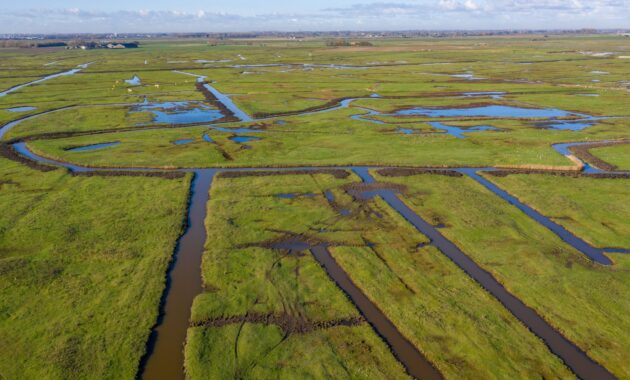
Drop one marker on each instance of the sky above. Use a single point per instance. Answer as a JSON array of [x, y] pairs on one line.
[[89, 16]]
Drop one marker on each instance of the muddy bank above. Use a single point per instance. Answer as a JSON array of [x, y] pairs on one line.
[[287, 323], [328, 105], [7, 151], [574, 174], [357, 189], [337, 173], [135, 173], [211, 99], [583, 153], [406, 172], [290, 241]]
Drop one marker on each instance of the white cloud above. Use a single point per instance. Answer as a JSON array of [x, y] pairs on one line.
[[379, 15]]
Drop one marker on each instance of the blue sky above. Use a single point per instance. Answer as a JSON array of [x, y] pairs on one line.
[[45, 16]]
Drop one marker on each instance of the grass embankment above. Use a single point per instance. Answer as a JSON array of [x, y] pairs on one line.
[[585, 301], [82, 269], [617, 155], [452, 320]]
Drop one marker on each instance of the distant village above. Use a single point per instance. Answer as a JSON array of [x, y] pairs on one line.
[[101, 45]]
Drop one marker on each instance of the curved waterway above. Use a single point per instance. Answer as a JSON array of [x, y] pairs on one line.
[[48, 77], [573, 357]]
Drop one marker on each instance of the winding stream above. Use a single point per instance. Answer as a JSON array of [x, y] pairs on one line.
[[48, 77], [164, 357]]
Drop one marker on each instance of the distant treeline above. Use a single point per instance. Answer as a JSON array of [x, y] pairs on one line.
[[345, 42], [30, 44], [72, 44]]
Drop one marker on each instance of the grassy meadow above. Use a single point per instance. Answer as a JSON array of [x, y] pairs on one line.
[[82, 268]]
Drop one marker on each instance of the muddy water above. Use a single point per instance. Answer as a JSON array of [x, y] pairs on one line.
[[415, 363], [165, 357], [593, 253], [572, 356]]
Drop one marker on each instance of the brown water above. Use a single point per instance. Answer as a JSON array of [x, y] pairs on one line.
[[165, 356], [415, 363], [576, 359]]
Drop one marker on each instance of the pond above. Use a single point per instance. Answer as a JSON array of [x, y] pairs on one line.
[[244, 139], [180, 112], [135, 81], [21, 109]]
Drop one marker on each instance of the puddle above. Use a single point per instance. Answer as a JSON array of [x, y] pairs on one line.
[[405, 131], [244, 139], [491, 94], [21, 109], [86, 148], [459, 131], [566, 125], [135, 81], [207, 138], [237, 130], [180, 112], [589, 95], [183, 141], [468, 76]]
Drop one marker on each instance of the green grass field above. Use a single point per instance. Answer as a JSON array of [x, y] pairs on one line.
[[569, 291], [83, 259], [82, 263]]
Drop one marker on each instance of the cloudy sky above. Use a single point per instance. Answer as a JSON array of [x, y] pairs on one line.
[[45, 16]]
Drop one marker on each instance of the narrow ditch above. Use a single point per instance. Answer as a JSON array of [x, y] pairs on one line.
[[164, 358], [576, 359], [591, 252], [414, 362]]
